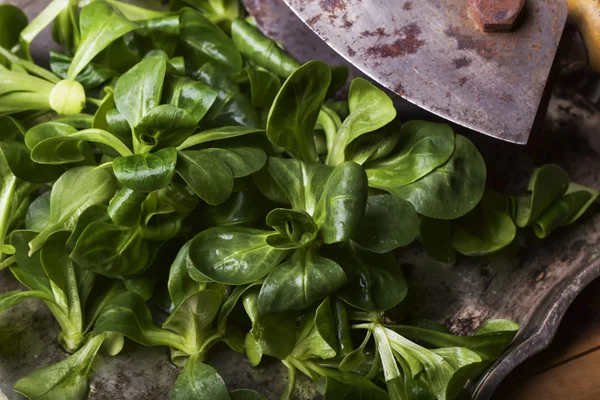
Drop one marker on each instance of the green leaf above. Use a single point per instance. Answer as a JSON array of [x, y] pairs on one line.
[[13, 21], [73, 192], [388, 223], [180, 284], [370, 109], [29, 270], [301, 182], [271, 334], [297, 283], [373, 146], [221, 133], [342, 203], [231, 302], [436, 238], [160, 220], [37, 213], [198, 380], [485, 229], [375, 281], [294, 113], [348, 385], [262, 50], [39, 23], [100, 25], [565, 211], [194, 97], [451, 190], [355, 358], [241, 208], [264, 86], [317, 334], [242, 161], [548, 183], [61, 152], [165, 126], [11, 299], [295, 229], [489, 341], [162, 32], [93, 75], [231, 107], [202, 42], [51, 150], [424, 147], [125, 208], [209, 177], [234, 255], [127, 314], [67, 379], [146, 172], [139, 90], [192, 319], [96, 212], [17, 157], [111, 250]]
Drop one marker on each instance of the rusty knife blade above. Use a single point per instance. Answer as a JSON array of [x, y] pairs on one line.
[[431, 53]]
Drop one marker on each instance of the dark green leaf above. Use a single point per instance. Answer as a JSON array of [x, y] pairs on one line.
[[294, 113], [165, 126], [342, 203], [241, 208], [451, 190], [231, 107], [221, 133], [295, 229], [194, 97], [96, 212], [127, 314], [91, 76], [305, 278], [262, 50], [73, 192], [317, 334], [29, 270], [375, 281], [234, 255], [126, 207], [485, 229], [139, 90], [209, 177], [18, 159], [547, 184], [180, 284], [264, 86], [13, 21], [271, 334], [202, 42], [388, 223], [111, 250], [148, 172], [242, 161], [67, 379], [38, 212], [163, 32], [197, 381], [436, 238], [160, 220]]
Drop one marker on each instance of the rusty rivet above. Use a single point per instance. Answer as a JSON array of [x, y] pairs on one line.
[[496, 15]]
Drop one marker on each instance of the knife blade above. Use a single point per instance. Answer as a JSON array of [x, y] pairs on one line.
[[433, 54]]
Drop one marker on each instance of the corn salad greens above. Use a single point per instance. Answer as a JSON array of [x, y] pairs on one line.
[[182, 152]]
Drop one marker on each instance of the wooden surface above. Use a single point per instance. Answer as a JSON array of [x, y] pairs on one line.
[[570, 368]]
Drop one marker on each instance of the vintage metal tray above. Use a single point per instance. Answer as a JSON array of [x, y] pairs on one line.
[[534, 286]]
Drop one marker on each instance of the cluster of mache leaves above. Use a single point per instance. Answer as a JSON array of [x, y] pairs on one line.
[[182, 158]]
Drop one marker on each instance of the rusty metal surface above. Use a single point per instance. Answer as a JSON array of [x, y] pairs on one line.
[[432, 54]]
